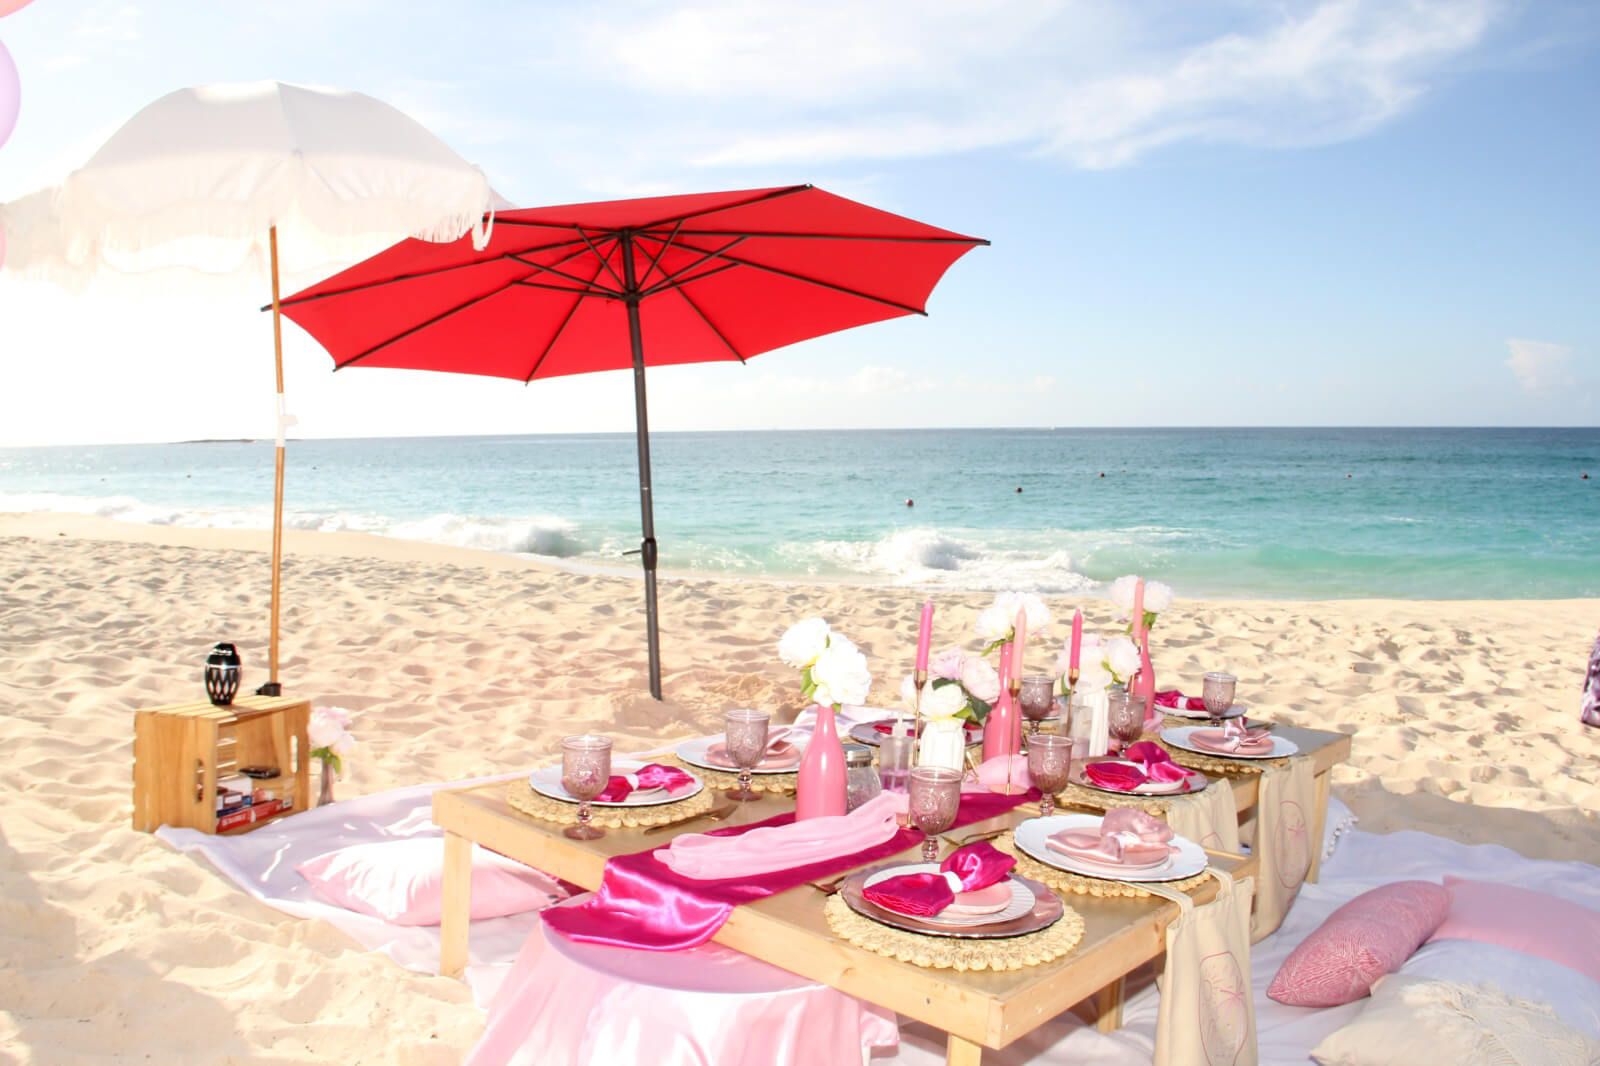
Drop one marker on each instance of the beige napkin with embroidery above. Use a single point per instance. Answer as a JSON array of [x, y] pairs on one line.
[[1286, 817], [1206, 1015], [1209, 818]]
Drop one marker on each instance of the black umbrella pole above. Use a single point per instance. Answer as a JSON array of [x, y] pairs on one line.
[[647, 516]]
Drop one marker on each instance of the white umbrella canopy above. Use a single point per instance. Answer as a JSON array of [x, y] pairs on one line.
[[209, 179]]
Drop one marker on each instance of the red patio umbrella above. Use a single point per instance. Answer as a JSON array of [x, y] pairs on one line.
[[626, 283]]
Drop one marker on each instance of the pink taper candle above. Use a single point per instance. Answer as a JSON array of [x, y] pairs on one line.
[[924, 637], [1138, 609], [1018, 641], [1077, 640]]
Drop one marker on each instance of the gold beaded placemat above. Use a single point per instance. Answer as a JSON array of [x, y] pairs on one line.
[[522, 797], [955, 953], [725, 780], [1094, 799], [1078, 884]]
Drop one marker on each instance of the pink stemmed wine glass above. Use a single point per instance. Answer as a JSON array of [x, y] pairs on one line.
[[585, 770], [1217, 692], [1049, 761], [1037, 698], [933, 800], [1125, 718], [745, 736]]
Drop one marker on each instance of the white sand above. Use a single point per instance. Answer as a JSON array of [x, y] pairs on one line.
[[113, 948]]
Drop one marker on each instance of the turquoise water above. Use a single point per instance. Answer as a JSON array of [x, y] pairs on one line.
[[1273, 513]]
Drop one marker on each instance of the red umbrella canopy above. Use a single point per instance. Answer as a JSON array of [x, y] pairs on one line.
[[715, 276]]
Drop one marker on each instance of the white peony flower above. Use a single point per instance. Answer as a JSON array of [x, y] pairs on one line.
[[840, 674], [803, 642], [1157, 597], [994, 623], [980, 679], [908, 693], [1122, 594], [1093, 676], [1121, 657], [1035, 611], [327, 726], [344, 745], [943, 701]]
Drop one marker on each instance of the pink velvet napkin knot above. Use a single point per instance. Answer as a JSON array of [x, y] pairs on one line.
[[1234, 738], [1126, 837], [1178, 701], [651, 776], [974, 867]]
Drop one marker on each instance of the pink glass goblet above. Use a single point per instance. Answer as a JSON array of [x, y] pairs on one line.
[[585, 770], [1216, 692], [745, 736], [1037, 697], [1125, 718], [933, 800], [1049, 761]]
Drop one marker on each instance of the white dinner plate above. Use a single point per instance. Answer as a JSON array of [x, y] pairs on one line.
[[1021, 898], [1031, 837], [1179, 738], [694, 751], [547, 782], [1237, 710]]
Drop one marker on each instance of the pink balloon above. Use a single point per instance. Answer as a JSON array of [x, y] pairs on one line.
[[8, 6], [10, 93]]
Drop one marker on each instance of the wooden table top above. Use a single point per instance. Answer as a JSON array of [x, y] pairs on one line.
[[789, 930]]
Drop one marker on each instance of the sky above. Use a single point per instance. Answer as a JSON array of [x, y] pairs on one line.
[[1289, 213]]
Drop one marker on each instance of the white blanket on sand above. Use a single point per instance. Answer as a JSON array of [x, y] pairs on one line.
[[262, 863]]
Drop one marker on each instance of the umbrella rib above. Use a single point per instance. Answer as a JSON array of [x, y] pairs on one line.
[[712, 326], [796, 276], [554, 337], [656, 224], [605, 259], [418, 328], [655, 260], [670, 279], [821, 236]]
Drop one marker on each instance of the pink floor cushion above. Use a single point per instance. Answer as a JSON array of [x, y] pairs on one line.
[[401, 881], [1521, 919], [1368, 937], [567, 1003]]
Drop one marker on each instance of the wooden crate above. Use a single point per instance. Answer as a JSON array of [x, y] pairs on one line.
[[179, 753]]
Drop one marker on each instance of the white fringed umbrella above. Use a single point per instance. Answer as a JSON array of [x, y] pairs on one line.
[[208, 179]]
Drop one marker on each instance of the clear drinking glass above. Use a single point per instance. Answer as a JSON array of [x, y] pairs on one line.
[[935, 797], [745, 735], [894, 761], [1037, 698], [1217, 692], [585, 769], [1125, 718], [1049, 761]]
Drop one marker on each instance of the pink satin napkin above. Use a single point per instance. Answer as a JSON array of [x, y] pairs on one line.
[[1178, 701], [1234, 738], [650, 776], [704, 857], [1150, 762], [966, 871], [1126, 837], [643, 903], [780, 753]]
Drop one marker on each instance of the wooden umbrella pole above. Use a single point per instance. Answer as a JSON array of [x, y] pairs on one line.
[[277, 487]]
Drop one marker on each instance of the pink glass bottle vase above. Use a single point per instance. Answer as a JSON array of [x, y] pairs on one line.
[[820, 790], [1002, 730], [1143, 684]]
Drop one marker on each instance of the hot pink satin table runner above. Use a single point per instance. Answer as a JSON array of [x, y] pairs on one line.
[[643, 904]]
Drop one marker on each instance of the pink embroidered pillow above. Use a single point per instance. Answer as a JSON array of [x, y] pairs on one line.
[[1360, 942], [401, 881], [1523, 920]]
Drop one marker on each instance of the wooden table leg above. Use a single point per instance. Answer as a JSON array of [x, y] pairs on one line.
[[959, 1052], [1321, 804], [1108, 1006], [455, 904]]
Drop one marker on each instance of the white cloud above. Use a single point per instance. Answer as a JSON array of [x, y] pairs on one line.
[[1539, 365], [1094, 82]]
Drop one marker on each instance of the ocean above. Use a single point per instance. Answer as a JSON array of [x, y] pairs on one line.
[[1215, 513]]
